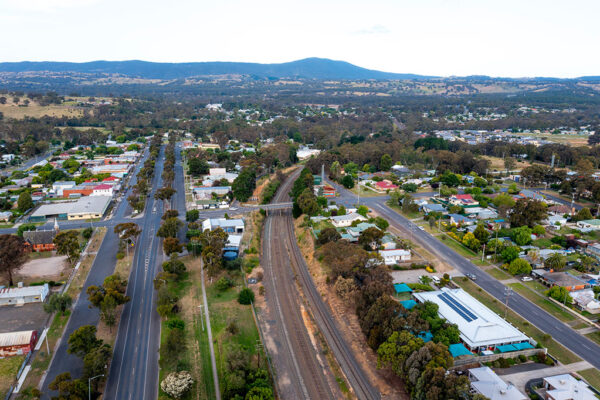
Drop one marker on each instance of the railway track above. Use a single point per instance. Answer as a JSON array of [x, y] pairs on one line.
[[283, 284], [299, 373]]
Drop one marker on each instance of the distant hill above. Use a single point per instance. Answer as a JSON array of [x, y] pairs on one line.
[[308, 68]]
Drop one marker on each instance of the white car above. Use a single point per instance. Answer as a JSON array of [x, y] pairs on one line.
[[526, 279], [421, 228]]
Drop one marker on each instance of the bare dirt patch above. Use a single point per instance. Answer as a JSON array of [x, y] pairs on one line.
[[51, 268]]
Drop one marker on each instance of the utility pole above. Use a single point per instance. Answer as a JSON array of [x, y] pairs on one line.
[[507, 292], [483, 252], [572, 200]]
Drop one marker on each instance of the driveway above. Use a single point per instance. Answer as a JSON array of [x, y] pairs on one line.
[[412, 275]]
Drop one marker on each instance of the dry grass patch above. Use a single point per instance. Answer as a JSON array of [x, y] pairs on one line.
[[11, 110], [8, 370]]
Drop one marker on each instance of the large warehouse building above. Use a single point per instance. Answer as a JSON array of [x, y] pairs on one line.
[[480, 328], [89, 207]]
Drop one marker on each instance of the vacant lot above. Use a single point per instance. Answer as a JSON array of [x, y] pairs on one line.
[[497, 163], [49, 268]]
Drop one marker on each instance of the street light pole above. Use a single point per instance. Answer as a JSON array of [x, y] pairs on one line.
[[90, 385]]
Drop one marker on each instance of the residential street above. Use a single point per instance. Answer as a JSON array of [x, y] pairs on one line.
[[564, 334]]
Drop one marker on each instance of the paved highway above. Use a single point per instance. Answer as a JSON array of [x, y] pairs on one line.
[[561, 332], [134, 369]]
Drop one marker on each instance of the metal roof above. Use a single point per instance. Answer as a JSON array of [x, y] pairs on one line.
[[15, 338]]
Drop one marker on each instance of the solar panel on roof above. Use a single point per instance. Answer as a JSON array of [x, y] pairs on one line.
[[457, 307]]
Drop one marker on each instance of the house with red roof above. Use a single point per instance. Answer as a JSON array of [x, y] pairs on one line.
[[463, 200], [111, 179], [102, 190], [385, 185]]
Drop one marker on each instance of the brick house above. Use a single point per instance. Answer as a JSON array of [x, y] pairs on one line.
[[40, 240]]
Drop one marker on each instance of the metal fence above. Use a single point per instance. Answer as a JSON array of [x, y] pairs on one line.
[[493, 357]]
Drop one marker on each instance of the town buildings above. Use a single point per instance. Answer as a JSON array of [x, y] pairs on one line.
[[23, 295], [89, 207]]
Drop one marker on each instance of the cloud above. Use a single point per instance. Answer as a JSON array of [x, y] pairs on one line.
[[373, 30], [47, 5]]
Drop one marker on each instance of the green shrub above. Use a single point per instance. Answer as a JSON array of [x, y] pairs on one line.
[[87, 233], [120, 255], [176, 323], [246, 296], [224, 283]]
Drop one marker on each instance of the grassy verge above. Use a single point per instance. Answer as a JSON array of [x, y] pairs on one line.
[[459, 248], [8, 370], [580, 325], [226, 312], [563, 354], [592, 376], [542, 302], [182, 360], [595, 336], [536, 285], [106, 333], [498, 274]]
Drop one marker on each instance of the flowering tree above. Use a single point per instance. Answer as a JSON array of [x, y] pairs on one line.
[[176, 384]]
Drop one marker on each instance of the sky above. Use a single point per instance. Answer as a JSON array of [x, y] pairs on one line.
[[507, 38]]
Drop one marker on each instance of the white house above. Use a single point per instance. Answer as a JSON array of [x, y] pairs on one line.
[[565, 387], [395, 256], [22, 295], [305, 152], [228, 225], [589, 224], [342, 221], [8, 157], [556, 220], [585, 301], [102, 190], [59, 186], [205, 193], [485, 382]]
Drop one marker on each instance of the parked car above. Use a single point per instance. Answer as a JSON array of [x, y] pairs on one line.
[[473, 277], [526, 279]]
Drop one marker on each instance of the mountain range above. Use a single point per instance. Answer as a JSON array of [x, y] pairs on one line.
[[308, 68]]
